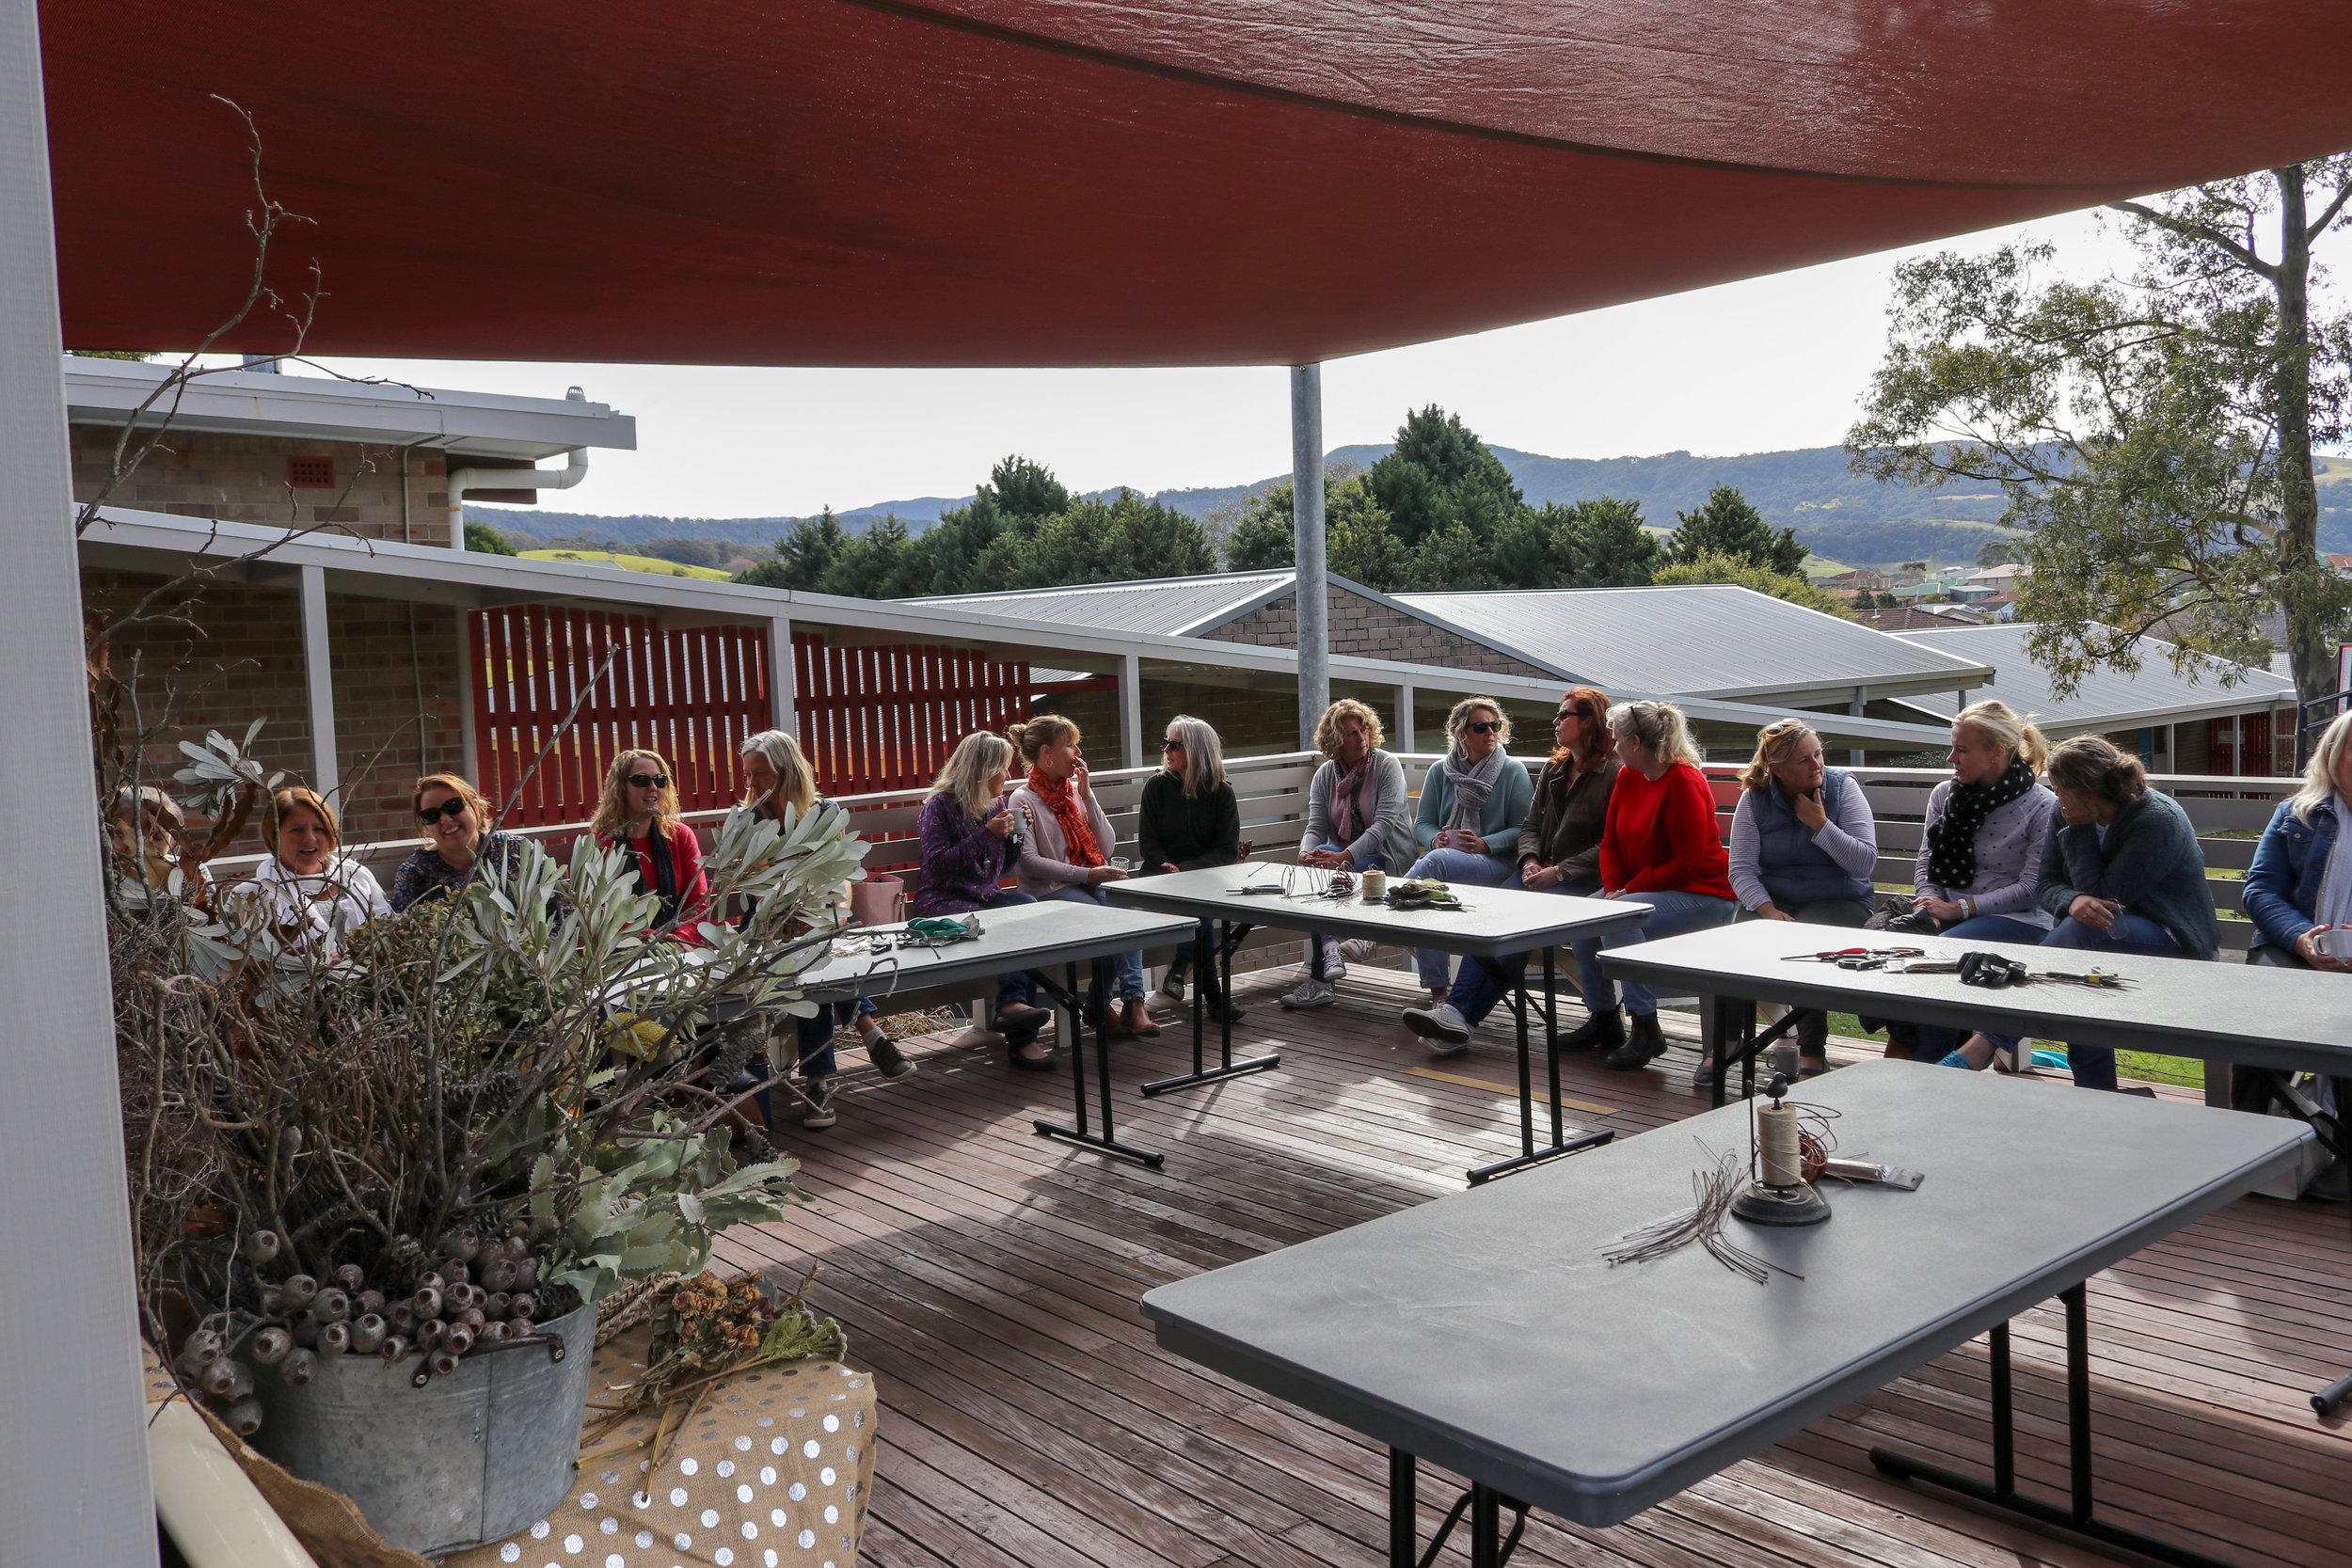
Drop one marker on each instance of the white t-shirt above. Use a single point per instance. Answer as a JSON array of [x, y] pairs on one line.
[[330, 906]]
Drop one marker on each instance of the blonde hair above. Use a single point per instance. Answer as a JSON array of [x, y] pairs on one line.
[[2008, 729], [1660, 728], [2319, 774], [1774, 742], [1327, 727], [2093, 765], [1204, 753], [1467, 705], [965, 776], [612, 811], [796, 781], [1041, 731], [298, 798], [458, 787]]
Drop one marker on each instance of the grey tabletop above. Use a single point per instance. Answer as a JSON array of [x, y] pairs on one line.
[[1043, 935], [1485, 1332], [2299, 1020], [1495, 922]]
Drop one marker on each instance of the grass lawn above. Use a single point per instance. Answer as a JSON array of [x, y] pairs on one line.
[[2145, 1065]]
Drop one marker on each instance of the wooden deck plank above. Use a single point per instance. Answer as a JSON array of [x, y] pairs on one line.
[[990, 1278]]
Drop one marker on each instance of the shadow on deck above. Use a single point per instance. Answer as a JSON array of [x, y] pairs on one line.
[[990, 1278]]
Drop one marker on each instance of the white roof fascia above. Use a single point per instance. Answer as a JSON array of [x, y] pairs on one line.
[[389, 569], [251, 402]]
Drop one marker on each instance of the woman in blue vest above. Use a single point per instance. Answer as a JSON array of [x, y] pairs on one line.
[[1803, 847]]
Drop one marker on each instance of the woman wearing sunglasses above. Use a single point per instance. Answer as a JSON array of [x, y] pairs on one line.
[[639, 810], [1190, 820], [1473, 803], [458, 836]]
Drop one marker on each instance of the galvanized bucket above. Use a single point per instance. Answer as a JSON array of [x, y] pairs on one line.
[[467, 1458]]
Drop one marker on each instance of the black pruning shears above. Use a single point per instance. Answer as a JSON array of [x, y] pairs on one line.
[[1858, 958]]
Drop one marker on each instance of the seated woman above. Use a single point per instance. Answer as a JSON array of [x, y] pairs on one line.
[[1473, 803], [1980, 865], [967, 832], [1355, 820], [1659, 847], [777, 777], [1559, 851], [145, 835], [316, 897], [457, 834], [1190, 820], [639, 810], [1067, 853], [1803, 847], [2298, 894], [2122, 873]]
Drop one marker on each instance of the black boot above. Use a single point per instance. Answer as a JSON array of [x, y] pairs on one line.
[[1643, 1045], [887, 1058], [1603, 1031]]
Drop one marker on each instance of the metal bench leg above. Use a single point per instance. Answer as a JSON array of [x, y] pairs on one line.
[[2080, 1514], [1221, 956], [1489, 1547]]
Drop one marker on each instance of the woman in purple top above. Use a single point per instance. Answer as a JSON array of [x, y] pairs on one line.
[[969, 840]]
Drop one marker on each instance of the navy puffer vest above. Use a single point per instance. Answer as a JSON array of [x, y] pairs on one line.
[[1795, 869]]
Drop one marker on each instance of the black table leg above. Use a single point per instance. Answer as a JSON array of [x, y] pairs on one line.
[[2280, 1087], [1489, 1547], [1737, 1041], [1404, 1510], [2080, 1514], [1561, 1144], [1221, 957], [1065, 991]]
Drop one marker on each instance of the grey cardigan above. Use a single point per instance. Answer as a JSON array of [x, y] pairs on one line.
[[2150, 862], [2009, 855], [1045, 867], [1390, 835]]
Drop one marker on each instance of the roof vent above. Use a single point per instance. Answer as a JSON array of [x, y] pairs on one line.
[[575, 395], [311, 473]]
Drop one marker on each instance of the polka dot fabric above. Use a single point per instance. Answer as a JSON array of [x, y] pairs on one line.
[[772, 1472]]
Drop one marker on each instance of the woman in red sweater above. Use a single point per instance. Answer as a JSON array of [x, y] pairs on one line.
[[1661, 847], [639, 811]]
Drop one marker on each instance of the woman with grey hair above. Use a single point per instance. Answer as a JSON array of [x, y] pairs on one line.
[[1189, 821], [1473, 803]]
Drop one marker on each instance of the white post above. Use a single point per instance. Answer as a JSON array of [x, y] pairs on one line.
[[1131, 710], [1855, 758], [318, 677], [1405, 696], [783, 696], [469, 675], [1314, 610], [74, 1473]]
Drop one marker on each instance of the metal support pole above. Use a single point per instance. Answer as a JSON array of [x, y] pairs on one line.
[[1314, 632], [1860, 702], [318, 681], [1406, 697], [783, 679], [74, 1470], [1130, 711]]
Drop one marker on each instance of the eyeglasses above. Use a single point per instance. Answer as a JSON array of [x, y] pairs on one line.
[[1572, 713], [452, 808], [1483, 726], [1171, 744], [649, 781]]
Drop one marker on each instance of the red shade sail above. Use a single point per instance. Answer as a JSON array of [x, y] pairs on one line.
[[1066, 182]]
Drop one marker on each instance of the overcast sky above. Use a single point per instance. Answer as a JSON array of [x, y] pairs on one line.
[[1759, 366]]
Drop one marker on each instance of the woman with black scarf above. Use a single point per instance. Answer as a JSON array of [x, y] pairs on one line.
[[639, 810]]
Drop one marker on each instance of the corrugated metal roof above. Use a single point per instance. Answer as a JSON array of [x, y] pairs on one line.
[[2107, 699], [1711, 640], [1164, 606]]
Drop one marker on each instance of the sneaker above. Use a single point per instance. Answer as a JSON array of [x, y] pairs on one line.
[[1311, 993], [819, 1113], [1603, 1031], [1644, 1045], [1447, 1031], [887, 1058], [1334, 965], [1358, 948], [1173, 986]]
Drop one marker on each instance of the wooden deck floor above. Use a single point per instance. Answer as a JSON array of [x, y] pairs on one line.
[[990, 1278]]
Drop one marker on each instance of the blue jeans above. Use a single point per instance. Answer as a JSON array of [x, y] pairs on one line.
[[1672, 914], [1014, 989], [1474, 867], [1129, 964], [1314, 938], [1937, 1042], [2094, 1064], [814, 1035], [1483, 982]]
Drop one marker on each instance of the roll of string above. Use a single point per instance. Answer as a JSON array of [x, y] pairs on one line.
[[1779, 1147]]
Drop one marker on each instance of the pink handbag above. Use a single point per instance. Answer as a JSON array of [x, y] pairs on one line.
[[878, 899]]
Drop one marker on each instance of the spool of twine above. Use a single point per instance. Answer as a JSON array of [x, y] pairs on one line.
[[1778, 1145], [1376, 885]]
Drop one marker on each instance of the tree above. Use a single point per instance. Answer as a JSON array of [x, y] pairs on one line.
[[1096, 541], [485, 540], [1263, 536], [1601, 544], [1441, 473], [2003, 551], [1023, 488], [1715, 567], [1727, 526], [803, 556], [1357, 543], [2154, 434]]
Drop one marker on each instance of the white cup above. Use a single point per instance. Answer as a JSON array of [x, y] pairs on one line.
[[2336, 941]]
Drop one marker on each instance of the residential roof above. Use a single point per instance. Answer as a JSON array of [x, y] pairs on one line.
[[318, 408], [2105, 699], [1164, 606], [1702, 640], [1920, 618]]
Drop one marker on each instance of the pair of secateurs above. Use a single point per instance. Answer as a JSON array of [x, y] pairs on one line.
[[1859, 958]]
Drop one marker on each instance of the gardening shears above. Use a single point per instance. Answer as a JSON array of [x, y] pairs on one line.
[[1859, 958]]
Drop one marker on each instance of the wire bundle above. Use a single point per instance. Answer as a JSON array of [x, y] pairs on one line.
[[1712, 1188]]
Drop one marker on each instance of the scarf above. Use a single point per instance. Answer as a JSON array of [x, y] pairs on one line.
[[2334, 905], [1077, 832], [1952, 841], [664, 875], [1471, 785], [1351, 812]]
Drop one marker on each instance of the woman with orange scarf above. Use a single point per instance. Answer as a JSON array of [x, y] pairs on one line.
[[1065, 852]]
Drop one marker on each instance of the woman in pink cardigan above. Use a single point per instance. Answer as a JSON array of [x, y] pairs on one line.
[[1067, 849]]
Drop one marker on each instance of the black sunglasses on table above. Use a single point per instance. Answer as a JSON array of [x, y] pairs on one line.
[[649, 781], [452, 808]]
